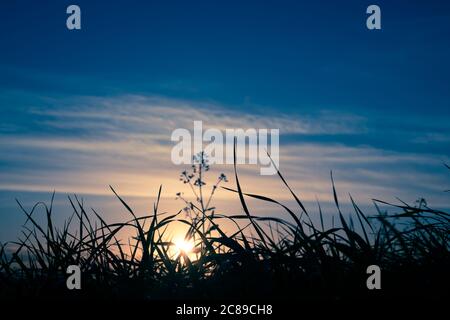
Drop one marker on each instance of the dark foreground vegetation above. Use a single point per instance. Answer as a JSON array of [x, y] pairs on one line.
[[287, 257]]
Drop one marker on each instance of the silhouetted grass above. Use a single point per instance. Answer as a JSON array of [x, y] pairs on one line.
[[265, 257]]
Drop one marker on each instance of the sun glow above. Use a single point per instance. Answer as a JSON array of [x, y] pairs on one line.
[[184, 246]]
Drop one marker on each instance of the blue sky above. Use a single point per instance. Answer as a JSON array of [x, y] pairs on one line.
[[83, 109]]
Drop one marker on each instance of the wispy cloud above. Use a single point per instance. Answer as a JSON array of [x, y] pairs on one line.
[[84, 144], [161, 114]]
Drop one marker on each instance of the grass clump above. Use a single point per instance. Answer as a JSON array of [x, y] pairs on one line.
[[263, 257]]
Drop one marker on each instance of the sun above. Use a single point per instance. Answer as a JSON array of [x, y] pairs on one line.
[[184, 246]]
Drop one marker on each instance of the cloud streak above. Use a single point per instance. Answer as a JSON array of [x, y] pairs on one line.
[[84, 144]]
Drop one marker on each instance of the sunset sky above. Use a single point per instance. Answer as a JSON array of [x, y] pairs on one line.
[[81, 110]]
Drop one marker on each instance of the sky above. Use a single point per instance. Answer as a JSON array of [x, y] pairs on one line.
[[84, 109]]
